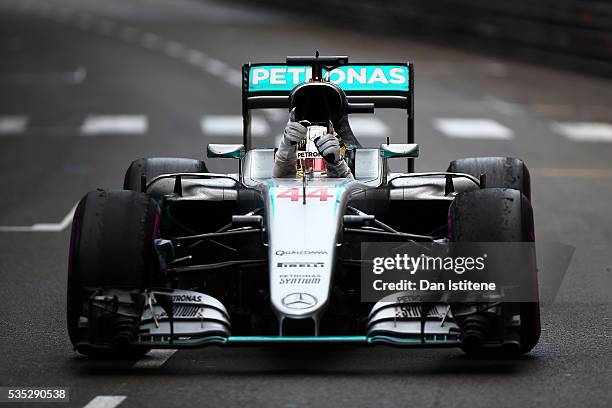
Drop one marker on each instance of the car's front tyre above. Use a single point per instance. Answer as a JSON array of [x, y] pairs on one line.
[[500, 215], [111, 247]]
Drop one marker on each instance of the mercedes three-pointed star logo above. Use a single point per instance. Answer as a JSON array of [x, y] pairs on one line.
[[299, 301]]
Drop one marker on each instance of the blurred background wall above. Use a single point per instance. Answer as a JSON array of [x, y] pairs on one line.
[[574, 34]]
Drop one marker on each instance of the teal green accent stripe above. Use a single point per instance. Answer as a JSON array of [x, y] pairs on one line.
[[442, 339], [314, 339], [245, 340], [271, 190], [341, 188]]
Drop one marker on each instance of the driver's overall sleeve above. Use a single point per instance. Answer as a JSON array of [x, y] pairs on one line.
[[339, 170], [285, 166]]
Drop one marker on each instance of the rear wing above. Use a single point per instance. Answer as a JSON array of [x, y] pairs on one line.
[[385, 85]]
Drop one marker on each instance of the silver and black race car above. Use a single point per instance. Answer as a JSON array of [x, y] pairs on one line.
[[184, 258]]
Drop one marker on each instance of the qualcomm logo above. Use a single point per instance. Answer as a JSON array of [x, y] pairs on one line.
[[303, 252], [299, 301]]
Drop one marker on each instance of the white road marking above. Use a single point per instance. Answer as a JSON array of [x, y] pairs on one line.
[[155, 358], [13, 124], [472, 128], [215, 67], [233, 78], [368, 127], [114, 124], [106, 401], [174, 49], [195, 57], [43, 227], [231, 125], [584, 131], [149, 41]]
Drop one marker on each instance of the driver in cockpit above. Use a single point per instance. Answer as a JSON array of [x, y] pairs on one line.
[[285, 159]]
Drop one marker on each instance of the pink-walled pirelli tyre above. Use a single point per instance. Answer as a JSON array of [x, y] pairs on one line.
[[111, 247], [500, 215]]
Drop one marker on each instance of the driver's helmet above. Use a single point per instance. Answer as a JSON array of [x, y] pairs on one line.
[[319, 103]]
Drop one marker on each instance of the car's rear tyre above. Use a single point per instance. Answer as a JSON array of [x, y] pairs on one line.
[[111, 247], [500, 215], [152, 167], [500, 172]]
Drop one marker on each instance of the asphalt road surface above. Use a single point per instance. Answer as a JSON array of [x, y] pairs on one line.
[[87, 86]]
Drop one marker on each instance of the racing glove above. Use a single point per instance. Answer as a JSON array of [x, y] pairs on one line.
[[294, 133], [329, 148], [285, 158]]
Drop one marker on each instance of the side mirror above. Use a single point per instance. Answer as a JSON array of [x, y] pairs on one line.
[[391, 151], [225, 151]]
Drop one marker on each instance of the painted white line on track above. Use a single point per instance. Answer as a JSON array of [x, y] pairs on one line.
[[174, 49], [584, 131], [215, 67], [155, 358], [106, 401], [114, 124], [195, 57], [234, 78], [462, 128], [149, 41], [231, 125], [368, 127], [13, 124], [43, 227]]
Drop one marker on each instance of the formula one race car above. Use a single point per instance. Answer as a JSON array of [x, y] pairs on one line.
[[183, 258]]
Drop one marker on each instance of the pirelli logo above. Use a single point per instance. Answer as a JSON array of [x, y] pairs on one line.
[[300, 264]]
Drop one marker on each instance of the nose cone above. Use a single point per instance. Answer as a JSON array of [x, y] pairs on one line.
[[302, 243]]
